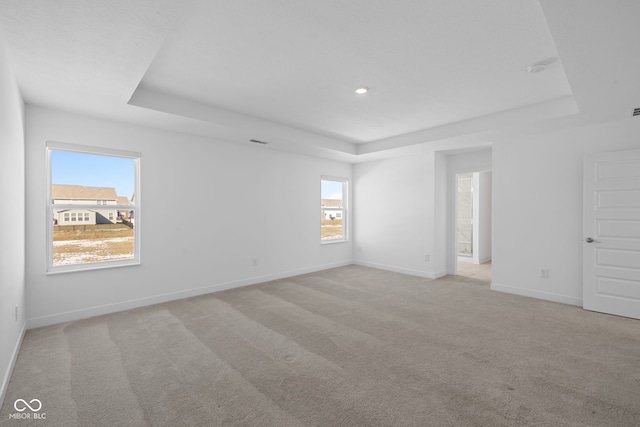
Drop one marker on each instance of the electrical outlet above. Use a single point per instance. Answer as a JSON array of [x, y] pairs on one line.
[[255, 262], [544, 273], [426, 257]]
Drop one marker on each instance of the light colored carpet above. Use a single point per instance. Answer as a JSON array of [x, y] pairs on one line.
[[351, 346]]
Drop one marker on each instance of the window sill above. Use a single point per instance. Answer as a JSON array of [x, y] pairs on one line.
[[333, 241], [91, 266]]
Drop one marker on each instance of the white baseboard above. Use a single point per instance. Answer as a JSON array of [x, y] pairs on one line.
[[402, 270], [12, 363], [536, 294], [157, 299], [485, 259], [470, 260]]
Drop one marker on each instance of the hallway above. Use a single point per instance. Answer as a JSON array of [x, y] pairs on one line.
[[476, 271]]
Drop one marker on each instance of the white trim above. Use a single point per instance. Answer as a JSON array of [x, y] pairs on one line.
[[469, 259], [402, 270], [452, 205], [346, 223], [143, 302], [50, 207], [87, 149], [334, 178], [88, 266], [332, 241], [485, 259], [564, 299], [12, 363]]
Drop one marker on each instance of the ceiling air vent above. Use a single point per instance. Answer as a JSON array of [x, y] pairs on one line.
[[636, 111]]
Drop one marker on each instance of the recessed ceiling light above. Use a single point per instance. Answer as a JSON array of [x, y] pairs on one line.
[[362, 90]]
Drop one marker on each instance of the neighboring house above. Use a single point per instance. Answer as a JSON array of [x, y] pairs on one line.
[[132, 219], [335, 213], [123, 214], [101, 197]]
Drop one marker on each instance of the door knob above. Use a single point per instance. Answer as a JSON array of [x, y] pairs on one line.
[[591, 240]]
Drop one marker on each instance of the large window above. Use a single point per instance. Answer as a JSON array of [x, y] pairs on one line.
[[93, 207], [333, 209]]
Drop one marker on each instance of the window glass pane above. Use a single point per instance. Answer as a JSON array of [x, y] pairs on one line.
[[332, 226], [332, 190], [91, 182]]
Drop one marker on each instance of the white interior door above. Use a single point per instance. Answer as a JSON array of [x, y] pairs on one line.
[[611, 232]]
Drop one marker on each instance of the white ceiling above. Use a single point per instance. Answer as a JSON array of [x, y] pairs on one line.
[[285, 71]]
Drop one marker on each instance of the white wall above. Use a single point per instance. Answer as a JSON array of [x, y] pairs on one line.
[[441, 215], [537, 207], [395, 214], [404, 210], [12, 241], [482, 217], [399, 214], [228, 194]]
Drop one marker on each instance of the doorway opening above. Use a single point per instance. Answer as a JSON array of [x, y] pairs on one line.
[[473, 225]]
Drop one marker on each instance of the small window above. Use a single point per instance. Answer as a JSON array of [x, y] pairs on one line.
[[333, 208], [79, 178]]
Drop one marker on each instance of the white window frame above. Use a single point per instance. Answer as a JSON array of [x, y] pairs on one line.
[[342, 210], [134, 206]]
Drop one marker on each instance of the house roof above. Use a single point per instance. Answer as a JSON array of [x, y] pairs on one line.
[[331, 203], [80, 192], [122, 200]]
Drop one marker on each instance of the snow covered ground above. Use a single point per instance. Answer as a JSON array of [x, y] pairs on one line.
[[67, 252]]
